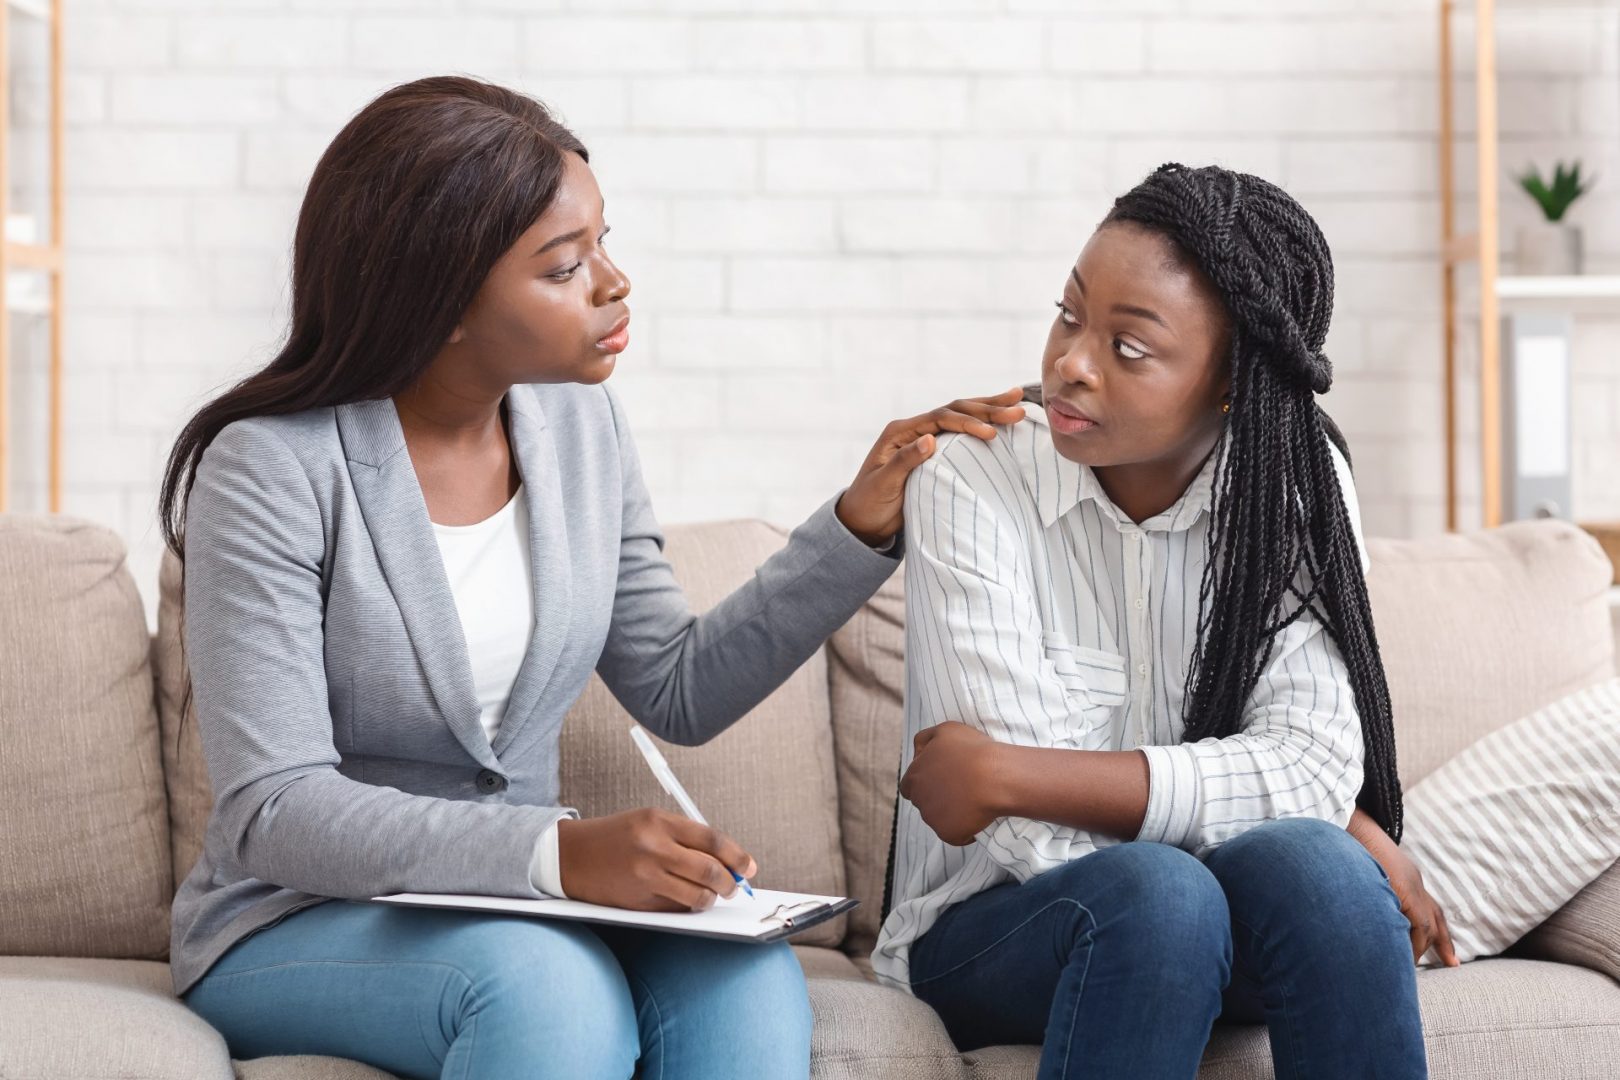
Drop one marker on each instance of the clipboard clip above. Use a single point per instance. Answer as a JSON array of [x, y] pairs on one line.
[[786, 913]]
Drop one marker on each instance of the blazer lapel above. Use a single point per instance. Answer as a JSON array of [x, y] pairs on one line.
[[396, 516], [549, 557]]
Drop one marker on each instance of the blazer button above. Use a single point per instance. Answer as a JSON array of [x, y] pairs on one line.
[[490, 781]]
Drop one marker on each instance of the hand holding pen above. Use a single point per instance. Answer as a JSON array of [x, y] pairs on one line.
[[650, 860], [666, 777]]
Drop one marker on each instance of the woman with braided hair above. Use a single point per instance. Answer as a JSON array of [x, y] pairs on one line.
[[1151, 775]]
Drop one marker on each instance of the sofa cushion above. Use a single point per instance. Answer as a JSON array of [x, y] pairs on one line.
[[84, 832], [1495, 1018], [1585, 931], [80, 1019], [866, 674], [185, 770], [1478, 629], [768, 781], [821, 962], [863, 1030], [306, 1067]]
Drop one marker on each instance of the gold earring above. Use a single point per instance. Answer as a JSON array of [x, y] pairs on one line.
[[1226, 406]]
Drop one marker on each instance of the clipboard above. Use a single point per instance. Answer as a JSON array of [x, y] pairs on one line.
[[765, 917]]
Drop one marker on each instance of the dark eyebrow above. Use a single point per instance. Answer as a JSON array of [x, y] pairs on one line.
[[1141, 312], [565, 237], [1124, 309]]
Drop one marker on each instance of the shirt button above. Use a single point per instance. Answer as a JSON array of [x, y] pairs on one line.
[[490, 781], [1141, 669], [1138, 603]]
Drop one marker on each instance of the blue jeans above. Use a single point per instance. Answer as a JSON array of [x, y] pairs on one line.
[[425, 993], [1119, 962]]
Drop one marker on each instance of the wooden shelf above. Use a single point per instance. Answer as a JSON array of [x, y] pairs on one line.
[[31, 257]]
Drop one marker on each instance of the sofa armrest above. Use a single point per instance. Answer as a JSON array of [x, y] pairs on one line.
[[1585, 931]]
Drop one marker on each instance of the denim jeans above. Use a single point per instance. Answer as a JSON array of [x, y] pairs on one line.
[[426, 993], [1119, 963]]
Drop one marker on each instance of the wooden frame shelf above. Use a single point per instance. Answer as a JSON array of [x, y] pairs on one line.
[[44, 255], [1483, 245]]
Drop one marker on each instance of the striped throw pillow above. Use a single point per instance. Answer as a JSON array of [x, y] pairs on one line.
[[1519, 822]]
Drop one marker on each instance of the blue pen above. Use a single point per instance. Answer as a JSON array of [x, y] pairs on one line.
[[666, 777]]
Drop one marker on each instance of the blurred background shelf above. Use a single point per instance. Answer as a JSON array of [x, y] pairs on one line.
[[37, 9], [25, 295], [1520, 320], [31, 255], [1601, 291]]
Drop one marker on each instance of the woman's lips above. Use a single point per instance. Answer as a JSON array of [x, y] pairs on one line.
[[618, 340], [1066, 419]]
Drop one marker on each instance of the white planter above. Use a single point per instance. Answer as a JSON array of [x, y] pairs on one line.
[[1550, 248]]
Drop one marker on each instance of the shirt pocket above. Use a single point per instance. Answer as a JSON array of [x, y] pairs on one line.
[[1095, 678]]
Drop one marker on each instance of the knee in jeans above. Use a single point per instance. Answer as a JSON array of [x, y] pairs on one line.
[[1164, 899], [772, 970], [532, 967], [1303, 864], [774, 974], [742, 978]]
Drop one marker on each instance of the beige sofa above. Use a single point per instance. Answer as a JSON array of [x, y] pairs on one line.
[[103, 796]]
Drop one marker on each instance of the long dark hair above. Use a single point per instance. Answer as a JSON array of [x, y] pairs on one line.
[[1276, 507], [415, 200]]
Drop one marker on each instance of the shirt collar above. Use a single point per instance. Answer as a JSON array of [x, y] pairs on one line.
[[1075, 483]]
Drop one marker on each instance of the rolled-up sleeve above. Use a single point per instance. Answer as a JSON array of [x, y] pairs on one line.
[[1298, 755]]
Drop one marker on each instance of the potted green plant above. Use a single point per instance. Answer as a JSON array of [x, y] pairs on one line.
[[1553, 246]]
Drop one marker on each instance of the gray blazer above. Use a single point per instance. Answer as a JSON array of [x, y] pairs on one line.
[[333, 690]]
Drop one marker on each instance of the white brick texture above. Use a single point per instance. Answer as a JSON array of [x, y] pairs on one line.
[[832, 212]]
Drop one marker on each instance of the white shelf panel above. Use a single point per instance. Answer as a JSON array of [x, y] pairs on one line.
[[1517, 6], [28, 306], [1580, 294], [1556, 287], [25, 294], [22, 229], [38, 9]]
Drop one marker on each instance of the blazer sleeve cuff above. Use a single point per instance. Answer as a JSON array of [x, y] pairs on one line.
[[545, 868], [879, 559]]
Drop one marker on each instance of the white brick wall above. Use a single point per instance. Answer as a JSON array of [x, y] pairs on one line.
[[832, 212]]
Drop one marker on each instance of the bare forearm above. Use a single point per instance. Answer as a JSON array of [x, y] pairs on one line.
[[1099, 791], [1368, 833]]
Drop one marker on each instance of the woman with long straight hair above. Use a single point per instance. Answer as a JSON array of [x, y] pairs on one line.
[[1151, 778], [407, 542]]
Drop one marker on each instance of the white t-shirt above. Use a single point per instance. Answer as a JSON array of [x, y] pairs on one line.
[[491, 578]]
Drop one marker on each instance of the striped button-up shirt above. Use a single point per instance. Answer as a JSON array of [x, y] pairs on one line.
[[1038, 612]]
